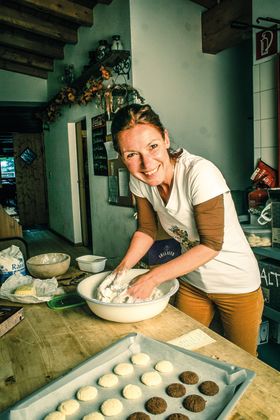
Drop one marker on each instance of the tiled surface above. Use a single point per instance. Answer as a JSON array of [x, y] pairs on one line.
[[265, 112]]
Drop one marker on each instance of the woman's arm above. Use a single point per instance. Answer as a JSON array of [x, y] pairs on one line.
[[143, 238], [209, 217]]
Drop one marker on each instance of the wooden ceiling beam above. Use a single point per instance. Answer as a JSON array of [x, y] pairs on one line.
[[40, 46], [217, 33], [21, 68], [64, 9], [206, 3], [29, 23], [22, 57]]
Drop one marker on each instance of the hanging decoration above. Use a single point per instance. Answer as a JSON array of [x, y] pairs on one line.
[[107, 93]]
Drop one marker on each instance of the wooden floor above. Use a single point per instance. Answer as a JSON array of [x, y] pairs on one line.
[[42, 240]]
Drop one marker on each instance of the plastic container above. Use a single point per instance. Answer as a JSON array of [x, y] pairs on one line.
[[91, 263], [257, 236]]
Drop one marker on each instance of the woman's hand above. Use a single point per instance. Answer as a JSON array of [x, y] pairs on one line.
[[141, 287]]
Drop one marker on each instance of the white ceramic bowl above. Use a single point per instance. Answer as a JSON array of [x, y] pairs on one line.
[[91, 263], [125, 312], [48, 265]]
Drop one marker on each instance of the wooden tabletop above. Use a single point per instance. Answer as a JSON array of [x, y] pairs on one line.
[[48, 343]]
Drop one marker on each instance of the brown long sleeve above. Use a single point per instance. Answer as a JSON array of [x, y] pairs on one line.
[[209, 217], [147, 221]]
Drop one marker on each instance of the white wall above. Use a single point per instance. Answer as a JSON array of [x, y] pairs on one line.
[[111, 226], [18, 88], [204, 100], [265, 91]]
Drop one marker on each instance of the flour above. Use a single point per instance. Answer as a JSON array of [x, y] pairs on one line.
[[113, 289]]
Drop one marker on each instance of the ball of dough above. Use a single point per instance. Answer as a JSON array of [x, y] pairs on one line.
[[69, 407], [140, 359], [123, 369], [151, 378], [111, 407], [108, 381], [132, 392], [164, 366], [86, 393], [93, 416], [55, 415]]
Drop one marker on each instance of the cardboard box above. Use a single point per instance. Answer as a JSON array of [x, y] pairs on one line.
[[263, 333], [162, 251], [10, 316], [270, 282]]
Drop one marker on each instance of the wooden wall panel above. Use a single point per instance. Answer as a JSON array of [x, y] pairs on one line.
[[31, 180]]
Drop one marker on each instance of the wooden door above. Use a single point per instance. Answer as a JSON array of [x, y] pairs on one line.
[[31, 180]]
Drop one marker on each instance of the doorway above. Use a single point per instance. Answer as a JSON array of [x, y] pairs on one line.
[[83, 182]]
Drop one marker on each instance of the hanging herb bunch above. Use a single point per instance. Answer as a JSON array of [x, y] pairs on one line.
[[108, 95]]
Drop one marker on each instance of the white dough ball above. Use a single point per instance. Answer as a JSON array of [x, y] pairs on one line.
[[108, 381], [86, 393], [111, 407], [132, 392], [141, 359], [164, 366], [55, 415], [69, 407], [93, 416], [151, 378], [123, 369]]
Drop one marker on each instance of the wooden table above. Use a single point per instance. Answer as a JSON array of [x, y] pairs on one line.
[[48, 343]]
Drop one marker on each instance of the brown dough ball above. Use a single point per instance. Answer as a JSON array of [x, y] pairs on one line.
[[194, 403]]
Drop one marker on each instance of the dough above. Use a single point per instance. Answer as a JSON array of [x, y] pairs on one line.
[[208, 388], [108, 380], [55, 415], [68, 407], [94, 416], [189, 377], [25, 290], [141, 359], [111, 407], [138, 415], [175, 390], [132, 392], [164, 366], [86, 393], [177, 416], [194, 403], [156, 405], [123, 369], [151, 378], [114, 289]]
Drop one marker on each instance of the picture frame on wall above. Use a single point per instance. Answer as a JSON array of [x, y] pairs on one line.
[[28, 156]]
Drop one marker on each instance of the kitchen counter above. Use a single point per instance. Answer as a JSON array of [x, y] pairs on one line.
[[48, 343]]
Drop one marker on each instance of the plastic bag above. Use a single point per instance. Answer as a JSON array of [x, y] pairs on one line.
[[11, 261], [45, 289]]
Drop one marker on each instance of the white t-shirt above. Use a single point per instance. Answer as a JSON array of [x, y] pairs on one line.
[[196, 180]]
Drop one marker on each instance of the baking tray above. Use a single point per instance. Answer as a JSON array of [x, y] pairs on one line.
[[232, 381]]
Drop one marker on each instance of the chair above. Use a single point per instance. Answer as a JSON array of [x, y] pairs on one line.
[[17, 241]]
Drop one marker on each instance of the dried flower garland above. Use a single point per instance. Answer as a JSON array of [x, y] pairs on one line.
[[102, 89]]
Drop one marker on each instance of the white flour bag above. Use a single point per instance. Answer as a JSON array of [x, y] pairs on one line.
[[11, 262]]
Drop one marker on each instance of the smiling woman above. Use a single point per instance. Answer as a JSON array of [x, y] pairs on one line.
[[192, 201]]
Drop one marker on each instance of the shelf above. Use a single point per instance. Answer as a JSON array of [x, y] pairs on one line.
[[111, 60], [267, 252]]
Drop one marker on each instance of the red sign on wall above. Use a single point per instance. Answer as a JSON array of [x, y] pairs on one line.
[[266, 42]]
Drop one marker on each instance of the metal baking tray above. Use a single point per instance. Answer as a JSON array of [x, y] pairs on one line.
[[232, 381]]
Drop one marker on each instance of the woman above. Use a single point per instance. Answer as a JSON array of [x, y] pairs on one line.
[[217, 268]]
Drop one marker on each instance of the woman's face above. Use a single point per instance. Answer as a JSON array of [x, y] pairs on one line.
[[144, 152]]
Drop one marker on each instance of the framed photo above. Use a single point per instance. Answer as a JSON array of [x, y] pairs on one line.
[[28, 156]]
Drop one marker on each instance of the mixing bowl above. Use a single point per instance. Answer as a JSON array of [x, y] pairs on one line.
[[125, 312], [48, 265], [91, 263]]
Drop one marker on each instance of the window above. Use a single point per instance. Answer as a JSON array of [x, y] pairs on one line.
[[7, 167]]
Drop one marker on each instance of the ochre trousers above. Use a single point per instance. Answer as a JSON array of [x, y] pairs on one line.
[[240, 314]]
